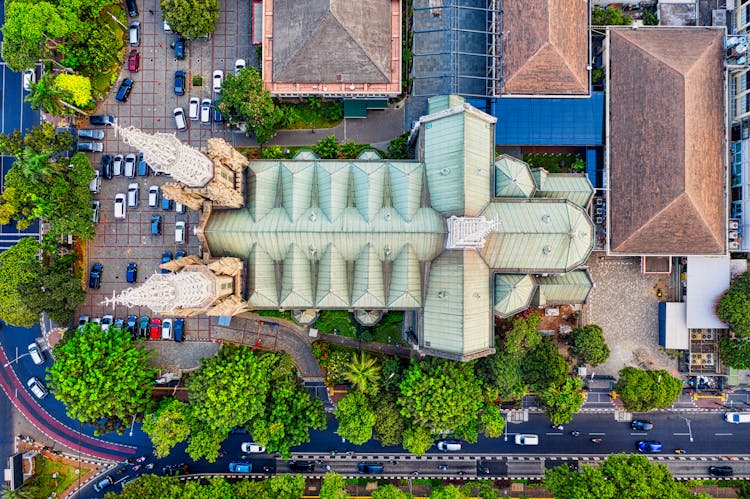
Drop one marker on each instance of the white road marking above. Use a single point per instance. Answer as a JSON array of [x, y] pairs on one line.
[[681, 434], [597, 433], [548, 433], [722, 434]]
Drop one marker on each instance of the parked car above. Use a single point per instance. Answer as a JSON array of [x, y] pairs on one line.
[[131, 273], [96, 183], [252, 448], [134, 61], [179, 329], [90, 147], [153, 196], [36, 354], [82, 320], [143, 324], [123, 93], [179, 119], [206, 112], [134, 195], [143, 169], [179, 48], [97, 321], [179, 82], [120, 209], [88, 133], [166, 257], [175, 469], [195, 103], [301, 466], [95, 276], [179, 208], [119, 324], [167, 27], [218, 80], [370, 468], [117, 165], [218, 118], [29, 77], [155, 329], [134, 34], [156, 225], [166, 329], [132, 325], [240, 467], [179, 232], [37, 387], [106, 168], [166, 204], [737, 417], [132, 8], [101, 119], [130, 166], [179, 254], [449, 445], [107, 321], [527, 439], [238, 65], [103, 483], [95, 211], [641, 424], [649, 446], [721, 470]]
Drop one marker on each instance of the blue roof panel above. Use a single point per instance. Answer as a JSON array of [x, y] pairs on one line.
[[549, 121]]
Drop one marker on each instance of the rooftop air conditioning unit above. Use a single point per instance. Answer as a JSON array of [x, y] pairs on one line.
[[600, 220], [734, 224], [733, 234], [734, 245]]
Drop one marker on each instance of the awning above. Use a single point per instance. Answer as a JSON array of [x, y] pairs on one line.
[[707, 280], [355, 108]]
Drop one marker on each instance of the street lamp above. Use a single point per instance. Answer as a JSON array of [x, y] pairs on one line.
[[132, 425]]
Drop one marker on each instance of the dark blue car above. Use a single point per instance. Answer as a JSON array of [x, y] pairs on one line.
[[165, 258], [131, 274], [179, 48], [649, 446], [101, 119], [106, 166], [166, 204], [179, 329], [95, 276], [179, 83]]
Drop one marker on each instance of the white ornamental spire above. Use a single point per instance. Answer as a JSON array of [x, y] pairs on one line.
[[167, 154], [164, 293]]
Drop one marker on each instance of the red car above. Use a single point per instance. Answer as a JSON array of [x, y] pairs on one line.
[[156, 329], [134, 61]]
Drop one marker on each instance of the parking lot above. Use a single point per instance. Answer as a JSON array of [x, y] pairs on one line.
[[149, 107]]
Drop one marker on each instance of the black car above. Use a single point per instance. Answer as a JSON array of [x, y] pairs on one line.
[[370, 468], [175, 470], [179, 48], [179, 83], [721, 470], [132, 8], [123, 93], [95, 276], [301, 466], [641, 424], [179, 329], [131, 274], [101, 119], [106, 166]]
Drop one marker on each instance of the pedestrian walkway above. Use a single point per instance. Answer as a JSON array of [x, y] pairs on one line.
[[382, 348]]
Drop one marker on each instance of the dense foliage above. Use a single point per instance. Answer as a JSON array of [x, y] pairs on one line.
[[544, 367], [609, 17], [735, 352], [103, 379], [356, 418], [168, 426], [191, 18], [243, 100], [734, 306], [588, 345], [562, 402], [645, 390]]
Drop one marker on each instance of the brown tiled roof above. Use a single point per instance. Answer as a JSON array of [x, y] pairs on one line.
[[666, 147], [545, 47], [332, 41]]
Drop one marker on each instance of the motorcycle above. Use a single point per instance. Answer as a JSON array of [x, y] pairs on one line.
[[558, 427], [680, 451], [575, 433], [596, 440], [141, 459]]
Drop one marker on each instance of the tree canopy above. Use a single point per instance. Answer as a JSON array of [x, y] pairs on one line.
[[191, 18], [734, 306], [168, 426], [588, 345], [19, 268], [645, 390], [544, 367], [735, 352], [102, 377], [356, 418], [333, 487], [609, 17], [562, 402], [523, 334], [243, 100], [500, 374]]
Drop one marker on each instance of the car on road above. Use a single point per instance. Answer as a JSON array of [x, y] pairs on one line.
[[88, 133], [156, 225], [737, 417], [218, 80], [238, 65], [449, 445], [641, 424], [36, 354], [120, 209], [206, 112], [143, 324], [90, 147], [153, 196], [195, 103], [370, 468], [166, 329], [134, 61], [179, 82], [129, 168], [166, 257], [103, 483], [179, 119], [179, 48], [525, 439], [301, 466], [106, 167], [252, 448], [107, 321], [132, 324], [29, 77], [95, 276], [37, 387], [123, 93], [179, 329], [117, 165], [101, 119], [720, 470], [649, 446], [175, 470], [131, 273], [155, 329], [240, 467]]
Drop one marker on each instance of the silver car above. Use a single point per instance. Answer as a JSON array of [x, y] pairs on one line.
[[87, 133], [130, 165]]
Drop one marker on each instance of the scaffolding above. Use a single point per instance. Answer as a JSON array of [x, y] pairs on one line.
[[457, 47]]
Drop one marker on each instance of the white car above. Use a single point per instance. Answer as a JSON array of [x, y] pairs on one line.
[[206, 112], [37, 387], [449, 445], [193, 108], [167, 27], [179, 232], [153, 196], [166, 329], [117, 165], [252, 448], [179, 119], [129, 169], [527, 439], [239, 64], [107, 321], [120, 206], [36, 354], [218, 79]]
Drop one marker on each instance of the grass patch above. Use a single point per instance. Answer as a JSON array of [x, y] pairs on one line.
[[312, 113], [274, 313], [388, 330], [197, 81], [44, 481], [340, 320], [553, 162]]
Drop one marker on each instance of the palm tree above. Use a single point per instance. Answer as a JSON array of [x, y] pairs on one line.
[[35, 167], [23, 492], [45, 96], [364, 373]]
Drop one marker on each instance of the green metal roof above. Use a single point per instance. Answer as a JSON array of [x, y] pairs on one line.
[[439, 103], [296, 283], [333, 285], [457, 309], [574, 187], [513, 293], [405, 290], [513, 178], [537, 236], [563, 289], [261, 280], [368, 287], [355, 108]]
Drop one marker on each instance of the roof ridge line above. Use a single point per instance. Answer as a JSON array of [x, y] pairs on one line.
[[372, 61], [643, 225]]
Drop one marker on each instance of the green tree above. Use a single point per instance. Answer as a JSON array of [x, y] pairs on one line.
[[243, 99], [447, 492], [619, 476], [44, 95], [398, 148], [167, 426], [389, 491], [205, 442], [588, 345], [735, 352], [389, 423], [500, 375], [649, 18], [333, 487], [642, 391], [561, 403], [363, 372], [26, 491], [734, 306], [77, 87], [356, 418], [523, 336], [94, 50], [609, 17], [102, 376], [327, 148], [486, 491], [493, 422], [192, 18], [286, 486], [57, 291], [19, 268], [440, 395], [417, 440], [148, 486], [544, 367]]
